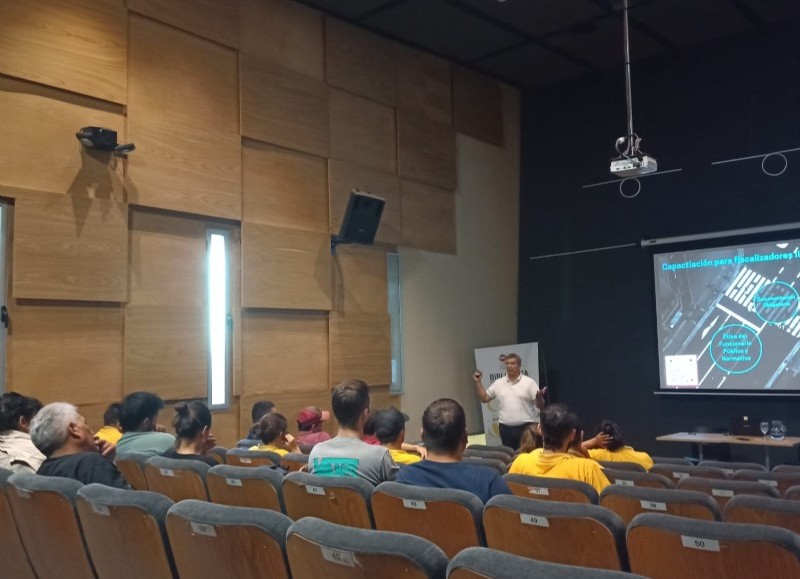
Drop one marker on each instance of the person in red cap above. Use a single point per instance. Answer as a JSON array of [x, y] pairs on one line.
[[309, 427]]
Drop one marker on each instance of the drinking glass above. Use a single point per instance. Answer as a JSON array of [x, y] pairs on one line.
[[764, 426]]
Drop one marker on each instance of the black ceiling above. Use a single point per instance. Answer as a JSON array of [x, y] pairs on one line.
[[537, 42]]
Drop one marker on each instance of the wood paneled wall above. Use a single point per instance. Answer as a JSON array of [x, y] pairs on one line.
[[255, 116]]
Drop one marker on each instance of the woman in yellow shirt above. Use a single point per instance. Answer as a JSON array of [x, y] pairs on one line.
[[271, 429], [559, 429], [615, 449]]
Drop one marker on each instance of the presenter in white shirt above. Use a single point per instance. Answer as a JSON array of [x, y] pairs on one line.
[[518, 400]]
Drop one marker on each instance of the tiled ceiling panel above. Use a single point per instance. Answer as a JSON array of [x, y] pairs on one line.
[[530, 65], [537, 17], [347, 8], [687, 22], [443, 29], [601, 42]]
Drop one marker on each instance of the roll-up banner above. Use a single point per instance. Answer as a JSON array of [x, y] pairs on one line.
[[491, 361]]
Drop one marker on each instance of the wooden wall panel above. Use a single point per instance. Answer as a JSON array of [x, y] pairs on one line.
[[284, 188], [67, 353], [289, 404], [285, 268], [39, 150], [343, 177], [360, 62], [284, 351], [80, 46], [93, 413], [167, 260], [424, 85], [381, 398], [429, 217], [427, 150], [285, 33], [360, 280], [477, 106], [283, 107], [165, 351], [226, 425], [217, 21], [69, 248], [360, 348], [363, 132], [183, 116]]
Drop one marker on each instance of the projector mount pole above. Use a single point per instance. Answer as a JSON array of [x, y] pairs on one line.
[[628, 95]]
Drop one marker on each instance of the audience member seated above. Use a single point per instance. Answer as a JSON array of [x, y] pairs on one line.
[[559, 429], [309, 426], [390, 428], [63, 436], [111, 431], [138, 417], [615, 450], [271, 429], [444, 432], [530, 440], [346, 454], [193, 437], [259, 411], [369, 432], [17, 452]]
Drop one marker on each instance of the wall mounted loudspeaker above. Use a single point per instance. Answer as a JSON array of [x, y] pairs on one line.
[[361, 219]]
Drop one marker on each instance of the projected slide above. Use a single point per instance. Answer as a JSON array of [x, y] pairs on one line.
[[728, 317]]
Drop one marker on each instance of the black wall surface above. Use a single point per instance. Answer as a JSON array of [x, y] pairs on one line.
[[593, 313]]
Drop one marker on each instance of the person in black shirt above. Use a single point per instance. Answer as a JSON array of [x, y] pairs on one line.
[[193, 437], [63, 436]]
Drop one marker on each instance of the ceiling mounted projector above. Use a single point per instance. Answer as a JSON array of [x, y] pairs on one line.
[[103, 140]]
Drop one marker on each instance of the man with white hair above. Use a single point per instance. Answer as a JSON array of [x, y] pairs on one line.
[[62, 435]]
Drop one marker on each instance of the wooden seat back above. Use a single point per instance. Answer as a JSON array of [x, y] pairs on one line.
[[764, 511], [243, 457], [294, 462], [628, 502], [123, 532], [238, 486], [638, 479], [568, 533], [12, 554], [667, 547], [723, 490], [177, 479], [551, 489], [676, 472], [622, 465], [340, 500], [132, 469], [503, 457], [211, 541], [40, 505], [782, 481], [448, 518]]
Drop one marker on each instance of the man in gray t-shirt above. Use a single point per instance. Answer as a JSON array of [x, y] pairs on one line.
[[347, 454]]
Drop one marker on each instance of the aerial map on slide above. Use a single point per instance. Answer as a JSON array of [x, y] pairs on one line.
[[728, 317]]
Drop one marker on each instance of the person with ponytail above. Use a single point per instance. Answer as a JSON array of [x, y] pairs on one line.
[[271, 429], [193, 437]]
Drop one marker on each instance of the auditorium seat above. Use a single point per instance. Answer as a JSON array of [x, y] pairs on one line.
[[676, 472], [732, 467], [178, 479], [498, 465], [629, 501], [622, 465], [764, 511], [483, 563], [786, 468], [782, 481], [503, 457], [317, 548], [792, 493], [44, 509], [638, 479], [132, 468], [218, 453], [668, 547], [294, 461], [243, 457], [552, 489], [568, 533], [239, 486], [341, 500], [12, 554], [494, 447], [671, 460], [125, 532], [723, 490], [247, 443], [213, 541], [449, 518]]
